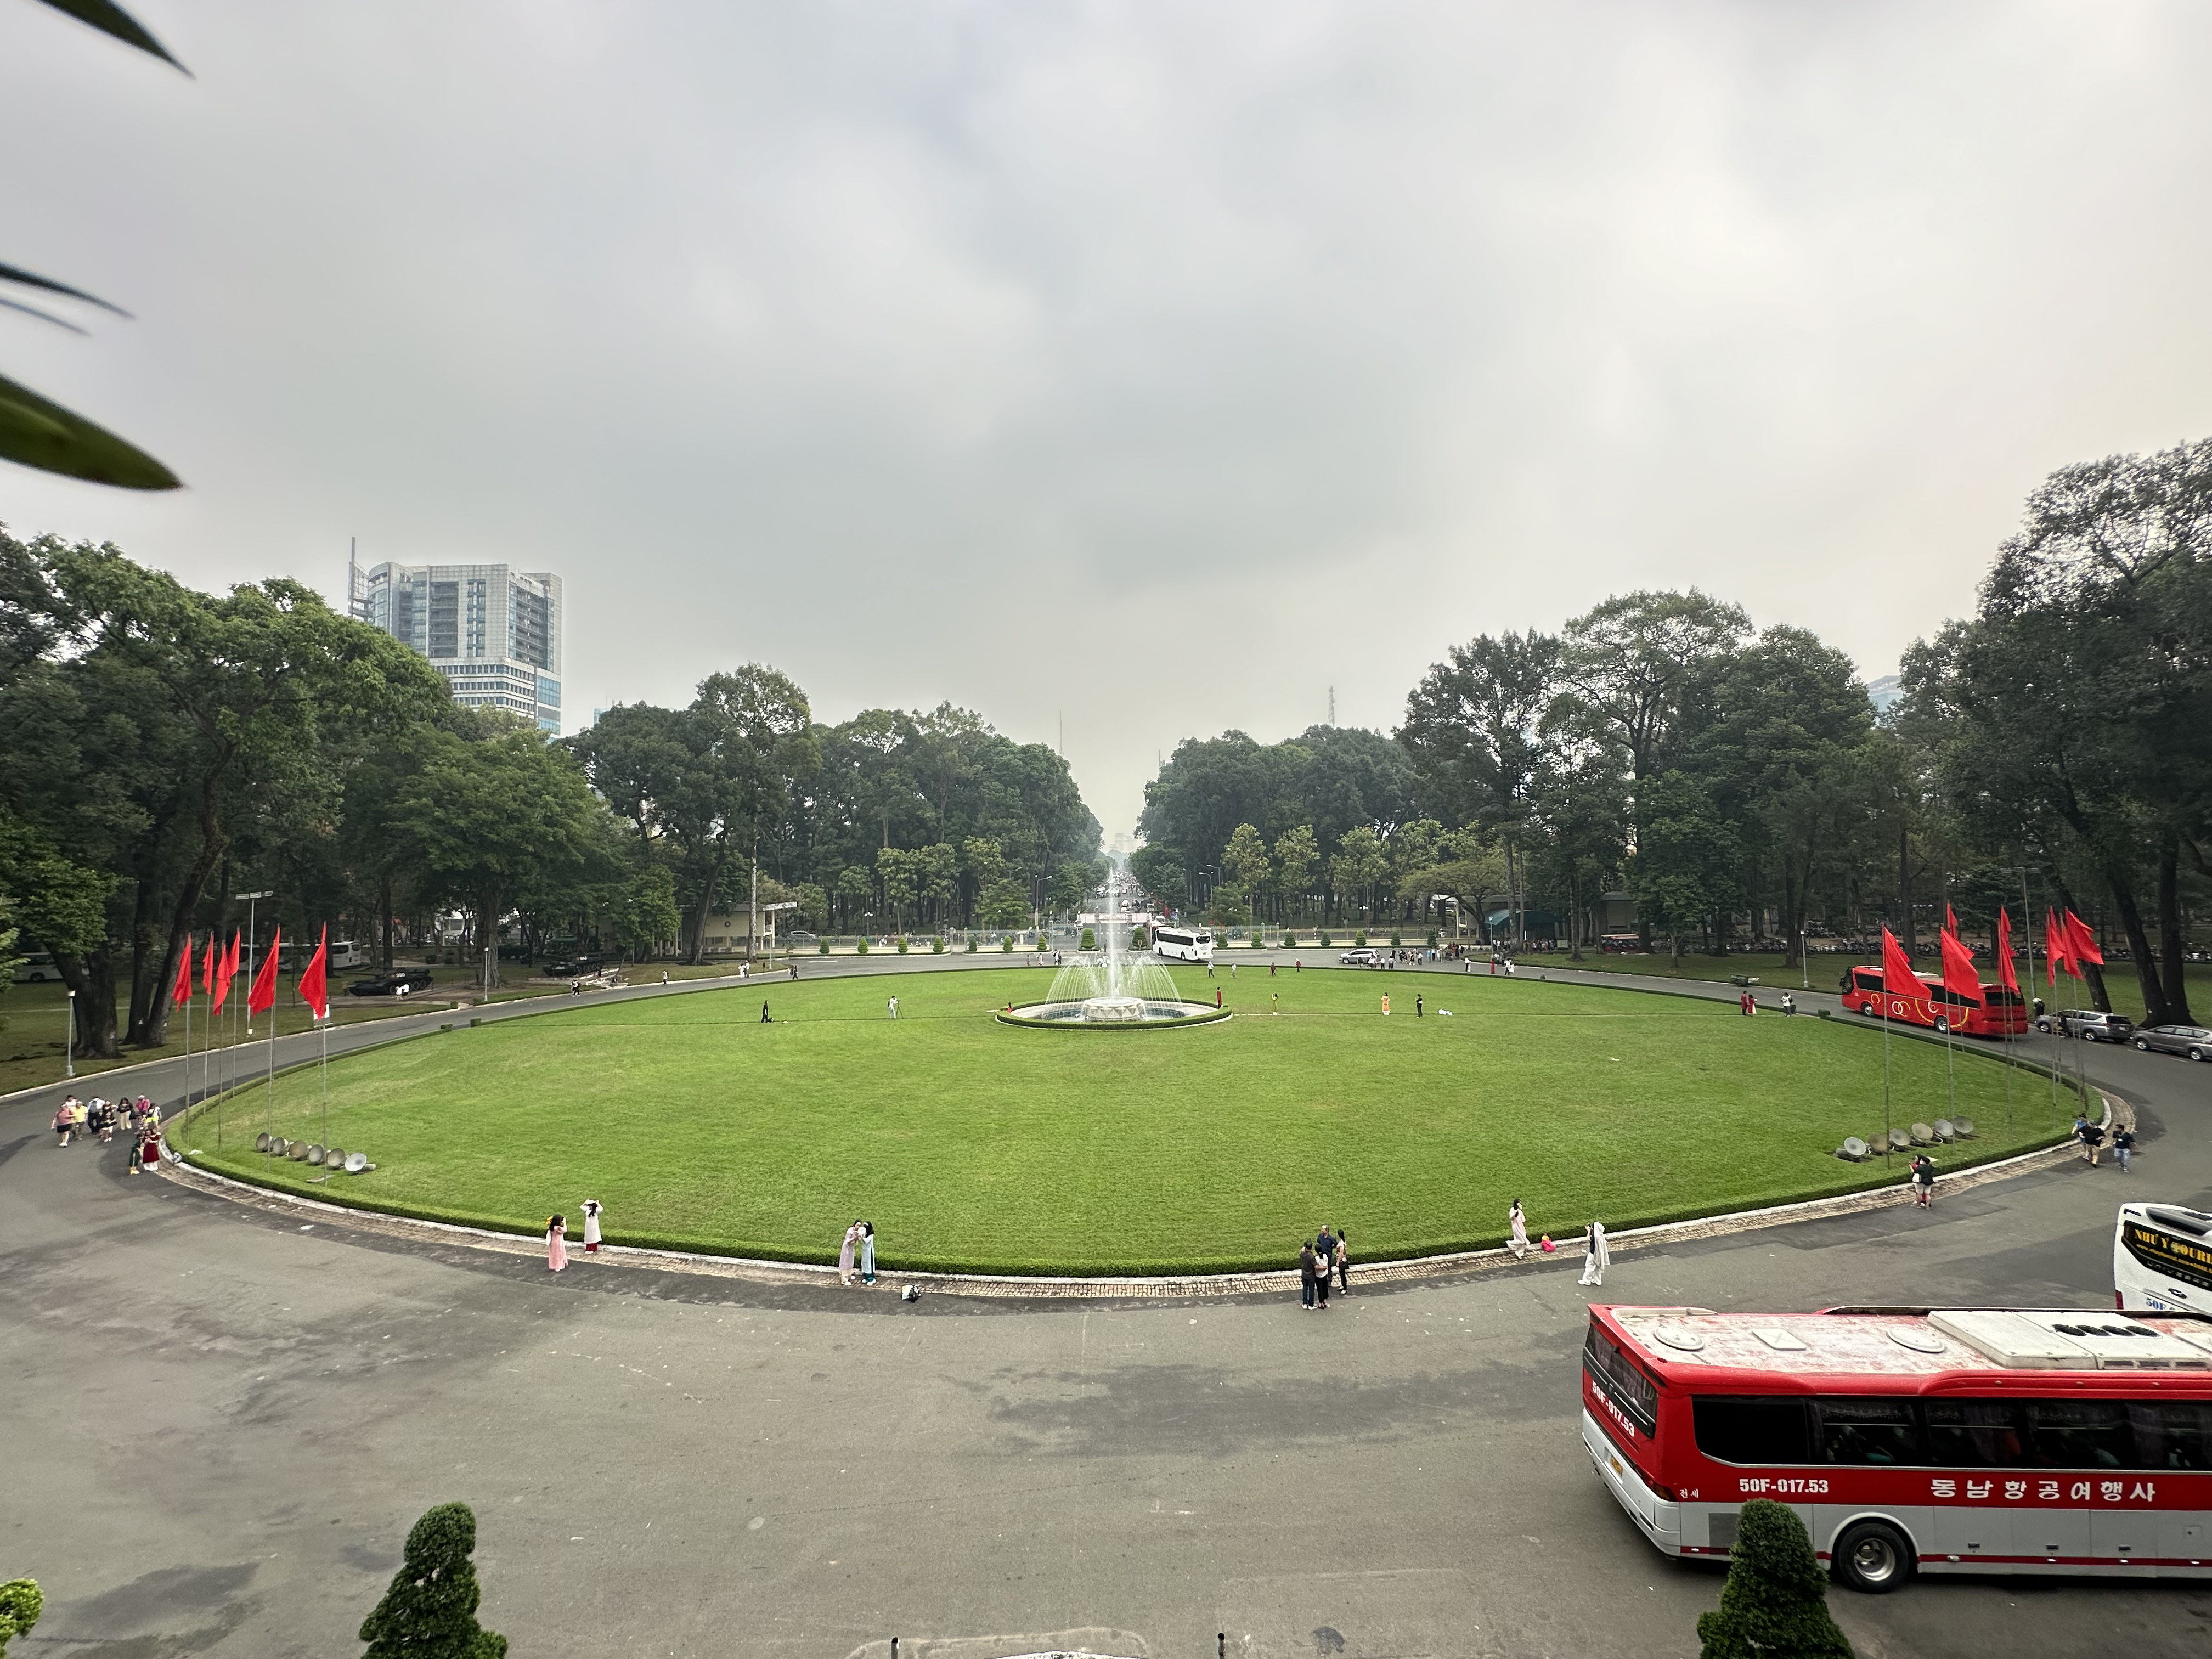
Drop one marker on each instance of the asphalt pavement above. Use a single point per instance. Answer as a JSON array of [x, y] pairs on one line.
[[219, 1424]]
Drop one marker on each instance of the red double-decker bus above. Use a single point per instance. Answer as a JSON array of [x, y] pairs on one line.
[[1913, 1440], [2003, 1013]]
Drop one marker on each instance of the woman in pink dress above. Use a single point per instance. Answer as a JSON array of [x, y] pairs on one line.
[[557, 1243], [845, 1255]]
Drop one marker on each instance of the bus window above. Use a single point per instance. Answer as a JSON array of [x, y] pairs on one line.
[[1974, 1434], [2080, 1434], [1619, 1381], [1741, 1429], [2172, 1434], [1868, 1431]]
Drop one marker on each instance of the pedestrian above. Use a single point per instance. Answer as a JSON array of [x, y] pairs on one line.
[[1297, 965], [1209, 967], [1789, 1003], [2123, 1145], [1325, 1249], [893, 1007], [867, 1253], [1232, 970], [845, 1254], [1274, 1002], [1597, 1256], [794, 969], [765, 1020], [2091, 1137], [1923, 1181], [1386, 1005], [663, 977], [1217, 996], [1517, 1238], [64, 1122], [1322, 1265], [79, 1114], [591, 1226], [1418, 1006], [149, 1150], [1306, 1274], [1271, 971], [557, 1243], [1343, 1261]]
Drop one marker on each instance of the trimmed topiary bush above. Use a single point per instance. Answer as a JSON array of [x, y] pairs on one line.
[[974, 944], [1136, 938], [1776, 1599], [902, 944], [21, 1604], [1395, 941], [937, 945], [822, 949], [1360, 937], [430, 1611], [1432, 938], [864, 947], [1322, 941], [1006, 941], [1090, 940]]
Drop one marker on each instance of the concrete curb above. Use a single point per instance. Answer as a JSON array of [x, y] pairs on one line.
[[998, 1286]]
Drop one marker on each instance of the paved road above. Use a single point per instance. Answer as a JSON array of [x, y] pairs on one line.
[[218, 1427]]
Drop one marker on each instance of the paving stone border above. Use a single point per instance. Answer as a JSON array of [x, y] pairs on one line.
[[1273, 1283]]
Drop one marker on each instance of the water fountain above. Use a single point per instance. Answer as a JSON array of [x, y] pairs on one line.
[[1111, 990]]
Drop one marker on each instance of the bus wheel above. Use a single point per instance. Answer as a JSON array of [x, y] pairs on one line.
[[1942, 1024], [1867, 1010], [1874, 1557]]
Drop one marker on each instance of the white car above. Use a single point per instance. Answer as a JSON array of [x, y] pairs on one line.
[[35, 966], [1361, 957]]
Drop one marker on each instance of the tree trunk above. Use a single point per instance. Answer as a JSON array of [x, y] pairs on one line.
[[1904, 935], [2091, 975], [384, 917], [1574, 913], [2157, 1010], [91, 976], [2172, 946]]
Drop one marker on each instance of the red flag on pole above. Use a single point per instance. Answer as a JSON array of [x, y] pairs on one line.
[[207, 967], [313, 991], [1897, 975], [2059, 947], [225, 972], [2006, 977], [1950, 919], [261, 996], [2081, 944], [1960, 977], [183, 993]]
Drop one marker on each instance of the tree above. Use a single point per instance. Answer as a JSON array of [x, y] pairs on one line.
[[1683, 871], [1632, 659], [430, 1610], [1296, 857], [1360, 864], [936, 876], [1246, 856], [1071, 884], [855, 886], [21, 1604], [1775, 1604], [1163, 872], [895, 869], [647, 917]]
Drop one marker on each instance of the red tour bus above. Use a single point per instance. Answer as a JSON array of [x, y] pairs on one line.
[[1952, 1440], [2003, 1013]]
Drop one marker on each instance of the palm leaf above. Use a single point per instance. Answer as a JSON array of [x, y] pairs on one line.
[[31, 279], [41, 434], [111, 18]]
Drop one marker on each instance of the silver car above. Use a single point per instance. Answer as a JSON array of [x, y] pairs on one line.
[[2192, 1041], [2087, 1024]]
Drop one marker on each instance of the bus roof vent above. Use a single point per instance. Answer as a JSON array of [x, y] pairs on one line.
[[2036, 1341]]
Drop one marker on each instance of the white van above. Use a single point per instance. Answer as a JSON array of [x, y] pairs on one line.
[[37, 965], [1183, 944], [2162, 1259]]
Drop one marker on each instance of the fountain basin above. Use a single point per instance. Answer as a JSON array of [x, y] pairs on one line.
[[1112, 1013]]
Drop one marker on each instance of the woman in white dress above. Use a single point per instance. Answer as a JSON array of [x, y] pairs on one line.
[[867, 1253], [1594, 1264], [591, 1226], [845, 1254], [1519, 1243]]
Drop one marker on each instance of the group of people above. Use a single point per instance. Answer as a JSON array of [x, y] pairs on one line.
[[81, 1120], [2093, 1138], [1328, 1252], [858, 1253], [557, 1236]]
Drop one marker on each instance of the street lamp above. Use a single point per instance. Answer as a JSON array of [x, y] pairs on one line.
[[69, 1042], [1804, 962]]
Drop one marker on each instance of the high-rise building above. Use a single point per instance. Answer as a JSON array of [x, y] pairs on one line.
[[492, 630]]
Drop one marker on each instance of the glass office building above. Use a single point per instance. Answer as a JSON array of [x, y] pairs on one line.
[[492, 630]]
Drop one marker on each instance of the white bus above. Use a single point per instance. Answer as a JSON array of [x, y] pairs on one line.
[[1183, 944], [2162, 1259]]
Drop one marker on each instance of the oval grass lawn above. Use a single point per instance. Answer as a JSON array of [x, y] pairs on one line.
[[977, 1146]]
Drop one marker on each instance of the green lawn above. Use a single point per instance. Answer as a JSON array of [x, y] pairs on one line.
[[974, 1144]]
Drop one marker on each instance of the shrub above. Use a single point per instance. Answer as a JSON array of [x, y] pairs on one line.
[[1136, 938], [1776, 1599], [1006, 941], [21, 1604], [1090, 940], [822, 949], [430, 1611], [937, 945], [1360, 937], [1432, 938], [864, 947], [974, 944], [1323, 942], [1396, 940], [902, 944]]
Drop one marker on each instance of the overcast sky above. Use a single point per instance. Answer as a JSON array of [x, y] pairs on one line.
[[1154, 366]]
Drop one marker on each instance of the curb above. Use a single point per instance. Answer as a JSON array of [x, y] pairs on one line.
[[1175, 1287]]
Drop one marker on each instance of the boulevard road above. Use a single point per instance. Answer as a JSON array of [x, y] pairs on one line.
[[219, 1425]]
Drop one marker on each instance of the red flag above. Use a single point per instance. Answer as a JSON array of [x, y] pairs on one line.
[[1950, 919], [1897, 975], [313, 991], [2006, 977], [261, 996], [207, 967], [2057, 947], [1960, 977], [225, 972], [2084, 943], [183, 993]]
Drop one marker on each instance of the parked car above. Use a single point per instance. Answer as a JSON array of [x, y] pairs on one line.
[[1361, 957], [37, 965], [2193, 1041], [2087, 1024], [400, 983], [571, 967]]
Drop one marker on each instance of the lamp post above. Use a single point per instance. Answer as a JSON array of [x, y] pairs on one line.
[[69, 1042], [1804, 963], [251, 900]]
